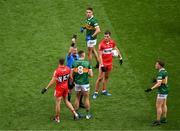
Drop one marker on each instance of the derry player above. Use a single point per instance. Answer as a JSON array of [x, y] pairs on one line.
[[105, 54]]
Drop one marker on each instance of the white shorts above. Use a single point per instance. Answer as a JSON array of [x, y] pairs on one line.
[[91, 43], [162, 96], [82, 87]]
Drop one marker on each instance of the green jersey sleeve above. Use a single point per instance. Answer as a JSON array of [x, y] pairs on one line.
[[159, 76], [95, 22]]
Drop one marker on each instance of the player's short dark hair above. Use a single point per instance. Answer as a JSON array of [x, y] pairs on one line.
[[107, 32], [61, 61], [90, 8], [80, 53], [161, 62]]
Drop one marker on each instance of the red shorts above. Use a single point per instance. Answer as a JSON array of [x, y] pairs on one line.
[[59, 92], [108, 67]]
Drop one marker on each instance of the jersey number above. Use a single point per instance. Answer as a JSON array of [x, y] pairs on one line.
[[63, 78], [80, 70]]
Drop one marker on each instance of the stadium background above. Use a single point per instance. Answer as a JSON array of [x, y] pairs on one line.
[[35, 33]]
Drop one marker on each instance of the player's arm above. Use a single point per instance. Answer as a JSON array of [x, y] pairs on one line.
[[70, 50], [90, 73], [100, 57], [157, 85], [71, 74], [101, 61], [97, 31], [119, 52], [51, 82], [119, 55], [53, 79]]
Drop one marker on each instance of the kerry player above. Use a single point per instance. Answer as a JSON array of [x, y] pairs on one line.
[[161, 85], [92, 30], [80, 73]]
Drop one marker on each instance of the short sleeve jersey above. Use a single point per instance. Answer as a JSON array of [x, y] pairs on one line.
[[106, 48], [81, 71], [61, 75], [90, 25], [163, 89]]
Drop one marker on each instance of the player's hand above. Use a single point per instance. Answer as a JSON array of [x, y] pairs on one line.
[[81, 29], [121, 61], [148, 90], [154, 80], [73, 44], [88, 38], [43, 90], [104, 69]]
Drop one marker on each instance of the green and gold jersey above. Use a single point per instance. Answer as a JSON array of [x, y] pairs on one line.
[[163, 75], [81, 72], [90, 25]]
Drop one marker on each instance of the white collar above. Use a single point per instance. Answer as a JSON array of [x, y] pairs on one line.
[[161, 69], [81, 58], [91, 17]]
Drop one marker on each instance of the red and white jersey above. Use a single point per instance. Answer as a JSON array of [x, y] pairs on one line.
[[106, 48], [61, 75]]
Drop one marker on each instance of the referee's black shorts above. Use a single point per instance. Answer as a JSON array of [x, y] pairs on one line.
[[70, 85]]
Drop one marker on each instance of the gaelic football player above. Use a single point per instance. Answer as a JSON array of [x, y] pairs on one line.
[[92, 29], [80, 73], [161, 85], [105, 54], [60, 76]]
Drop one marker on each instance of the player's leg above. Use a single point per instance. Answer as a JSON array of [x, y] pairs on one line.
[[164, 112], [105, 81], [96, 57], [69, 105], [81, 104], [98, 81], [70, 87], [85, 89], [76, 104], [86, 100], [57, 108], [69, 95], [159, 103], [78, 95], [90, 50]]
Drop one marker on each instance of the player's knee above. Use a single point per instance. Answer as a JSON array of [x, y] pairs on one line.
[[99, 79]]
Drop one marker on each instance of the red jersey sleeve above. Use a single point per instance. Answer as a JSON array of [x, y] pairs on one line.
[[113, 43], [68, 70]]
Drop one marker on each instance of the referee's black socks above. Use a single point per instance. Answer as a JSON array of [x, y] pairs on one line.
[[69, 97]]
